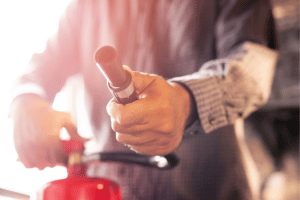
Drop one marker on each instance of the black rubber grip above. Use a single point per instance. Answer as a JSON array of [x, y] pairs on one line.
[[161, 162]]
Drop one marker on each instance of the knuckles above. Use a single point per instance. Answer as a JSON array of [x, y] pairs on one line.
[[167, 127], [122, 119], [121, 138], [115, 126], [166, 109]]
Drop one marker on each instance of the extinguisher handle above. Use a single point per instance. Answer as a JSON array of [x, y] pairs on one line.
[[161, 162]]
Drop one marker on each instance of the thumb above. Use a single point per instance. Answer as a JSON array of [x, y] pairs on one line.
[[69, 124], [140, 80]]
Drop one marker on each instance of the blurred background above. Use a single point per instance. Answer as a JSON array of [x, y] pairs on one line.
[[277, 123], [25, 27]]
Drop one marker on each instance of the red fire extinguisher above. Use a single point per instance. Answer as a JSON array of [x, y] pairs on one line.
[[77, 186]]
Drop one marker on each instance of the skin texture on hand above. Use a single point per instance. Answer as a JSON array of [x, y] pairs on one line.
[[36, 129], [153, 124]]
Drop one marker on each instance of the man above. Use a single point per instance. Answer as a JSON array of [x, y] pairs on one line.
[[206, 64]]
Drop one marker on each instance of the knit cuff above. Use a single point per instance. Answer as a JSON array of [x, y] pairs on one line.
[[28, 88], [208, 97]]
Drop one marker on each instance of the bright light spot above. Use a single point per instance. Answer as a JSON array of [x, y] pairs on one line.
[[60, 102], [25, 27], [64, 135], [100, 186], [6, 198], [160, 161]]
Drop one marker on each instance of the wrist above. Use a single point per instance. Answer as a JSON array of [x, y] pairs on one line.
[[26, 101], [190, 104]]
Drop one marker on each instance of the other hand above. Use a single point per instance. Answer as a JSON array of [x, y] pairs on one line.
[[36, 132]]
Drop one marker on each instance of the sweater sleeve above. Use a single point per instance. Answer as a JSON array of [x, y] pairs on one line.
[[239, 80], [48, 71]]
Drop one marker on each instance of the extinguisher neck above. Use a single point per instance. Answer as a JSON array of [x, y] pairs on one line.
[[74, 149], [75, 158], [75, 166], [76, 171]]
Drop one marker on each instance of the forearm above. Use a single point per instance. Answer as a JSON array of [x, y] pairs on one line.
[[245, 86], [190, 103]]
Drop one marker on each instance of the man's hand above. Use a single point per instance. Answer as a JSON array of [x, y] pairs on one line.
[[153, 124], [36, 132]]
